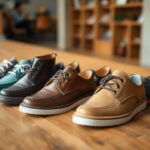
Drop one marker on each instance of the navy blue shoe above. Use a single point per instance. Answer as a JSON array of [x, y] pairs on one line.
[[59, 66], [146, 81]]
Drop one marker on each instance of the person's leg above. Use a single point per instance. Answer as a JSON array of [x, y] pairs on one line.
[[26, 25]]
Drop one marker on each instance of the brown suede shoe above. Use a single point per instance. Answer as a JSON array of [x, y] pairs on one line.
[[117, 100], [65, 91]]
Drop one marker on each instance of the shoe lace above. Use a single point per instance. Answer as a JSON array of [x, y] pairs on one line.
[[5, 65], [105, 84], [31, 71], [19, 68], [60, 77]]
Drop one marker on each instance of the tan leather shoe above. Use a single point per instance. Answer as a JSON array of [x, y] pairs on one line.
[[65, 91], [117, 100]]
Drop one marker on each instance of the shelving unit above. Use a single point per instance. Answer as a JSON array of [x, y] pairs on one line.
[[113, 27], [130, 5], [83, 24]]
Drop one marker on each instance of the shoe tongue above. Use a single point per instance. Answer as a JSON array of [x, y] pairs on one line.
[[34, 61], [120, 74], [13, 60], [69, 69]]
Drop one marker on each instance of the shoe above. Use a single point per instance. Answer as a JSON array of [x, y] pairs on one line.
[[59, 66], [66, 90], [15, 74], [146, 82], [6, 66], [117, 100], [43, 67]]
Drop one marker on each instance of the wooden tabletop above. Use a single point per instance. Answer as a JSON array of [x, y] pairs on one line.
[[19, 131]]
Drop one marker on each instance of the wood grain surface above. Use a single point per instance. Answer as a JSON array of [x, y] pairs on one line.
[[19, 131]]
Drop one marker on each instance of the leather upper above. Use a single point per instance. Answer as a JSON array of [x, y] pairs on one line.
[[65, 88], [43, 67], [59, 93], [121, 100]]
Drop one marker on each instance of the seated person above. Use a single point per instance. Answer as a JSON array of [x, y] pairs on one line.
[[41, 10], [21, 18], [42, 18]]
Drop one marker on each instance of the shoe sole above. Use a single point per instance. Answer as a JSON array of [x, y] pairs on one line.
[[10, 100], [106, 123], [34, 111]]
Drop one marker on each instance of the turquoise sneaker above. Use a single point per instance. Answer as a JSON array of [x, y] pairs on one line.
[[15, 74]]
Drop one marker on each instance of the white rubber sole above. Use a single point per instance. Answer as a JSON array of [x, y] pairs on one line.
[[107, 123], [34, 111]]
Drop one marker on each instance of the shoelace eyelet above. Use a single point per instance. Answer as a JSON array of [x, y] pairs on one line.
[[115, 92], [122, 80]]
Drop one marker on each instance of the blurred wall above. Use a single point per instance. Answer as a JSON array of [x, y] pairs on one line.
[[51, 5], [145, 52]]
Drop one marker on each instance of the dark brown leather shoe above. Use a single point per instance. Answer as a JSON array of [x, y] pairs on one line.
[[43, 68], [65, 91]]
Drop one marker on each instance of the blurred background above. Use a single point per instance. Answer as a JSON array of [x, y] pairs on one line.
[[109, 29], [32, 21]]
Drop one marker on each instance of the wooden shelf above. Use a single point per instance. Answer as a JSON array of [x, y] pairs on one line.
[[89, 8], [86, 12], [89, 39], [127, 23], [89, 24], [77, 37], [130, 5], [76, 22], [77, 9], [136, 43], [117, 32], [136, 24], [106, 7], [104, 24]]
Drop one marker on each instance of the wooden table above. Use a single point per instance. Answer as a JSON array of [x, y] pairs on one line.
[[19, 131]]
